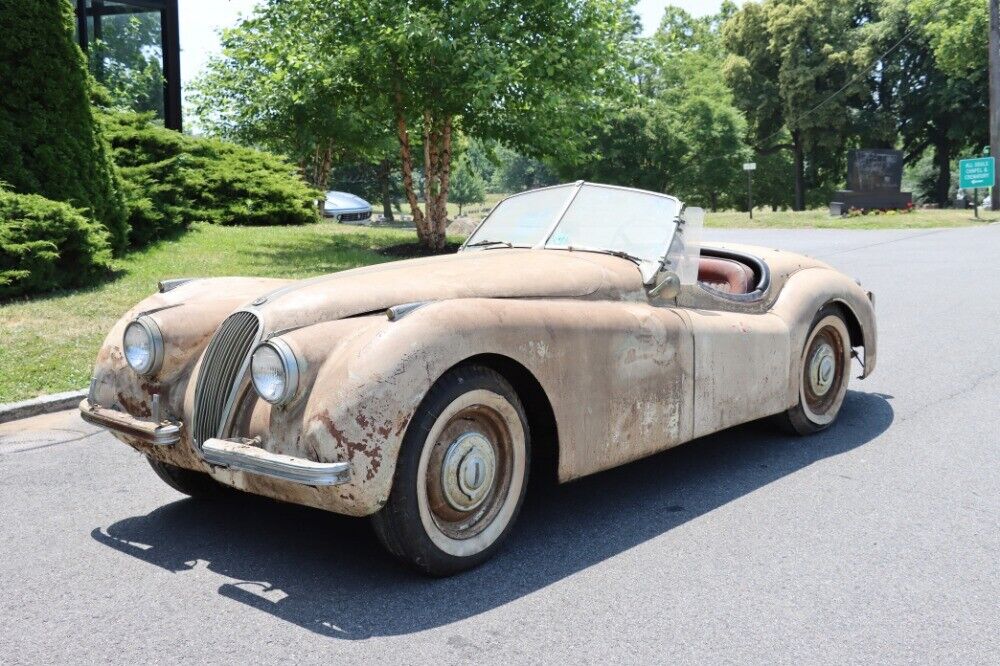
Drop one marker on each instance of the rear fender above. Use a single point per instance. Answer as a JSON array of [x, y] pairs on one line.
[[804, 295]]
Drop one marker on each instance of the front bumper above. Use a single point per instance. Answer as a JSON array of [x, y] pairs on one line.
[[166, 433], [236, 454], [232, 454]]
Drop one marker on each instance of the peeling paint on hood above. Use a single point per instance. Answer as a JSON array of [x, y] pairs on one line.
[[502, 273]]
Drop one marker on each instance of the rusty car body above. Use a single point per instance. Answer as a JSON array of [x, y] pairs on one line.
[[585, 322]]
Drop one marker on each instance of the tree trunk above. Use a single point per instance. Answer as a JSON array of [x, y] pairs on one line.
[[406, 158], [713, 201], [800, 176], [325, 167], [942, 162], [444, 178], [437, 176], [384, 174]]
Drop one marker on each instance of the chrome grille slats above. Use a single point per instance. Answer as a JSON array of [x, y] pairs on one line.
[[222, 373]]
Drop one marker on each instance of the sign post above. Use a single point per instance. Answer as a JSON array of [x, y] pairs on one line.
[[750, 167], [975, 173]]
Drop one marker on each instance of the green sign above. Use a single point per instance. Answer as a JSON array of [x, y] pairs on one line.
[[979, 172]]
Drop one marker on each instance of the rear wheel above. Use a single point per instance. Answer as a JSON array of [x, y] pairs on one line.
[[195, 484], [460, 476], [824, 374]]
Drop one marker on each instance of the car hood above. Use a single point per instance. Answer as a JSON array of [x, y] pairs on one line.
[[344, 200], [500, 273]]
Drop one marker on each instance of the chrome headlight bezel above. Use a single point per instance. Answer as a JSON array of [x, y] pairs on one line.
[[155, 337], [289, 366]]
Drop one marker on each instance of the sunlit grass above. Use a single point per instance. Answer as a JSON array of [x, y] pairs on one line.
[[820, 219], [48, 344]]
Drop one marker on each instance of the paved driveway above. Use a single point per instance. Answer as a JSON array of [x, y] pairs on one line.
[[877, 540]]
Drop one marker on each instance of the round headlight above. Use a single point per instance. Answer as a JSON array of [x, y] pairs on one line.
[[274, 371], [143, 346]]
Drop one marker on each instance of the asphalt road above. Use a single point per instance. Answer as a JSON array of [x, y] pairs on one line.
[[876, 541]]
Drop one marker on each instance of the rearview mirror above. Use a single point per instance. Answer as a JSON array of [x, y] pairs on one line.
[[668, 287]]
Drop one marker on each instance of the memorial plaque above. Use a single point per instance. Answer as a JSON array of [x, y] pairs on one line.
[[874, 179], [875, 170]]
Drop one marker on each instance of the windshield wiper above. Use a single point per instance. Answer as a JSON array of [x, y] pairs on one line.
[[614, 253], [484, 243]]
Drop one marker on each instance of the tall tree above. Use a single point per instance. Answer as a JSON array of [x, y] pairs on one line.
[[912, 101], [467, 185], [957, 33], [678, 130], [280, 85], [530, 73], [789, 60], [50, 143]]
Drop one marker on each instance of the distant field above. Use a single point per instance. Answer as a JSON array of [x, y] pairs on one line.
[[820, 219]]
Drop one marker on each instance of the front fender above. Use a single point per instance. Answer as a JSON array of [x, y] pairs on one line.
[[605, 366]]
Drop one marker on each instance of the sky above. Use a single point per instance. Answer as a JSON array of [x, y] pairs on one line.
[[201, 20]]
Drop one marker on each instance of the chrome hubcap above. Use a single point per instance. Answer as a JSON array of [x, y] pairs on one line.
[[822, 369], [467, 471]]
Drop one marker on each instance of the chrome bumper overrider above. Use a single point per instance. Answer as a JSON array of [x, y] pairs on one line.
[[253, 459], [160, 434]]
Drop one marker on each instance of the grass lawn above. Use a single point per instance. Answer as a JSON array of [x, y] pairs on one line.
[[820, 219], [49, 343]]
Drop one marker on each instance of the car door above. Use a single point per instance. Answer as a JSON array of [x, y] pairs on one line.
[[632, 379], [741, 367]]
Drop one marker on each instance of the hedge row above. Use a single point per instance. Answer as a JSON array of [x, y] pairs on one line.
[[125, 181], [171, 180], [48, 244], [50, 143]]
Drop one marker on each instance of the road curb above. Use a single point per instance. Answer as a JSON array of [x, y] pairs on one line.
[[46, 404]]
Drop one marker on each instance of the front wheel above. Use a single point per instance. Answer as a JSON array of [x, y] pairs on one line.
[[195, 484], [824, 375], [461, 474]]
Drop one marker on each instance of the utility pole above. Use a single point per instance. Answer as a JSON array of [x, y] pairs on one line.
[[995, 96]]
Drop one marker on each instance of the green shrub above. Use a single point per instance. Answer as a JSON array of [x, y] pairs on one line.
[[47, 245], [49, 141], [172, 180]]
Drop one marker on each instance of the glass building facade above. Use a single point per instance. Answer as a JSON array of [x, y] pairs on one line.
[[133, 50]]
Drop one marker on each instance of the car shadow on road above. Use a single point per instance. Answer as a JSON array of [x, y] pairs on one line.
[[328, 574]]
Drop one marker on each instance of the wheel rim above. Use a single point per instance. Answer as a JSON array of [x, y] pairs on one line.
[[824, 370], [471, 472]]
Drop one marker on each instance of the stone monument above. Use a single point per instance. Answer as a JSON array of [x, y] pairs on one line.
[[874, 179]]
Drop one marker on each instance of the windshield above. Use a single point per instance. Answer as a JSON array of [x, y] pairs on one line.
[[583, 216]]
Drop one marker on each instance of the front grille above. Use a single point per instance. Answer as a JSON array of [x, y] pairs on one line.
[[355, 217], [220, 373]]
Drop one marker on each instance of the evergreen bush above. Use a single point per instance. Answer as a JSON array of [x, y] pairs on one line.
[[47, 245], [50, 143], [172, 180]]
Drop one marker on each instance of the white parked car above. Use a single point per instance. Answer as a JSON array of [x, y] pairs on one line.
[[347, 207]]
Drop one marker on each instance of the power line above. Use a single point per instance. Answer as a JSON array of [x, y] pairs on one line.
[[855, 78]]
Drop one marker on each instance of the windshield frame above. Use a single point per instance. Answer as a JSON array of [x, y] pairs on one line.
[[645, 266]]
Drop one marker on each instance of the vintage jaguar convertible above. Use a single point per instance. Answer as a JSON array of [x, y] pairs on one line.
[[580, 323]]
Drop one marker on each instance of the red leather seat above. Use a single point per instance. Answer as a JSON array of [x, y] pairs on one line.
[[725, 275]]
